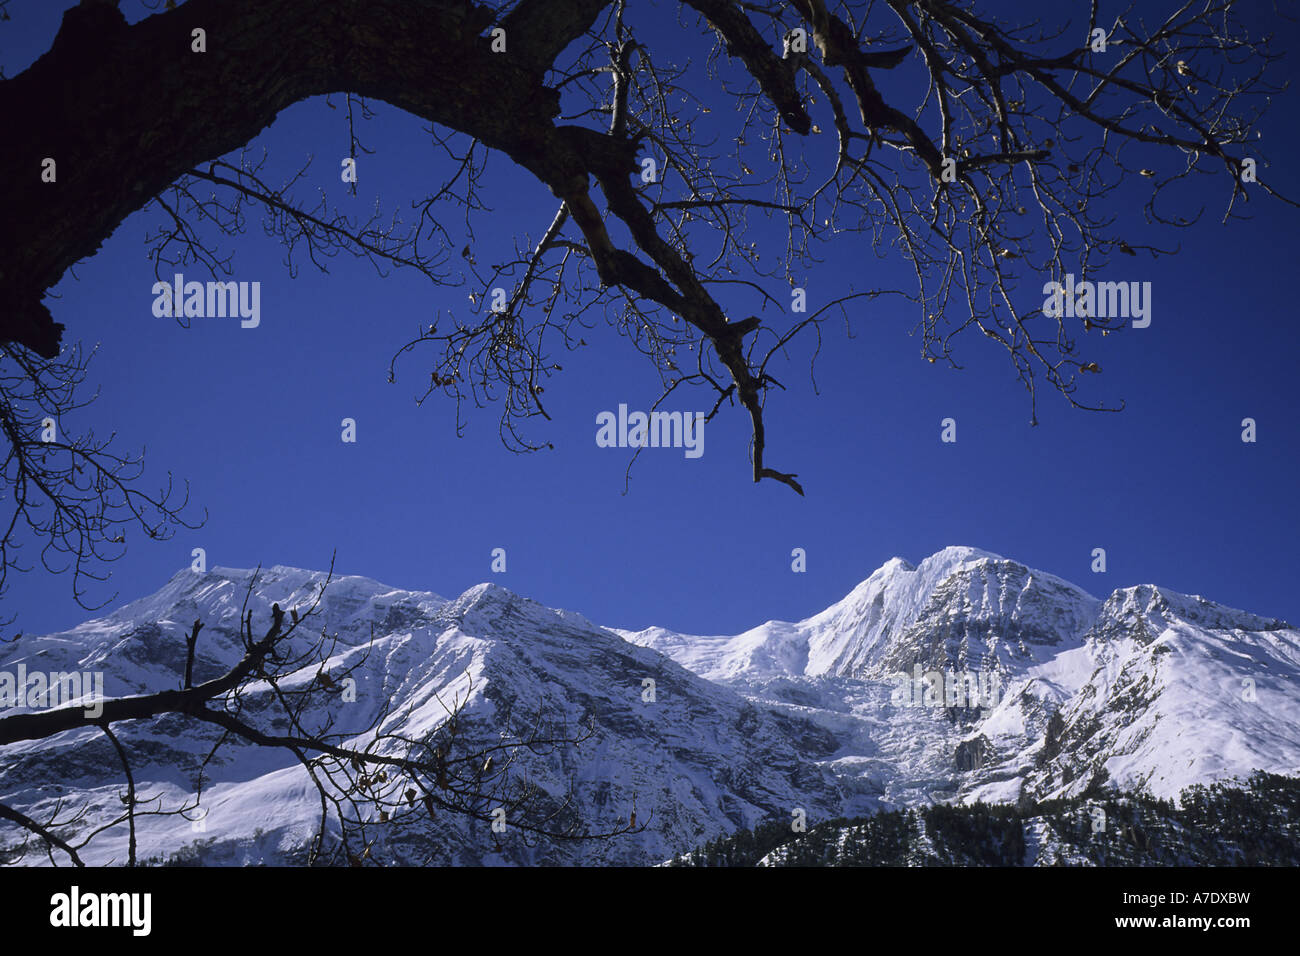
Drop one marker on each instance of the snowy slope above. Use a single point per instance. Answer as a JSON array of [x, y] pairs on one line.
[[1182, 691]]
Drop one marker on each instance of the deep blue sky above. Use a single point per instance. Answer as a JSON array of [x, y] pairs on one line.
[[252, 419]]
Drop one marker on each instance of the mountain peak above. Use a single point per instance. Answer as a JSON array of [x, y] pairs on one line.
[[955, 554], [486, 590], [1159, 605]]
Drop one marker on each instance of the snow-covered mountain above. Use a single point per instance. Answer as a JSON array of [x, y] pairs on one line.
[[1147, 689], [962, 605], [699, 760]]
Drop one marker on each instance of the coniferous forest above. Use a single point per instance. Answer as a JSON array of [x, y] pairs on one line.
[[1251, 823]]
